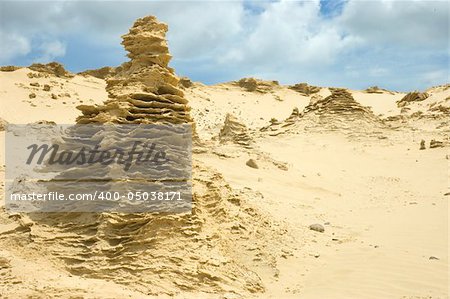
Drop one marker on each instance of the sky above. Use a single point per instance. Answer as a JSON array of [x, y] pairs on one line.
[[398, 45]]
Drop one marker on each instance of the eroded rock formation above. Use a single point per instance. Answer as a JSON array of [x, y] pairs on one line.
[[101, 73], [182, 252], [256, 85], [305, 89], [144, 90], [234, 131], [337, 111], [52, 68], [414, 96]]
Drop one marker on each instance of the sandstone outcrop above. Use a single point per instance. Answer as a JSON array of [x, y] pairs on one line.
[[185, 82], [234, 131], [305, 89], [256, 85], [376, 89], [3, 124], [337, 111], [414, 96], [52, 68], [9, 68], [144, 90], [101, 73], [176, 252]]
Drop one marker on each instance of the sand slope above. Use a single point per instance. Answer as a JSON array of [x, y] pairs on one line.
[[380, 200]]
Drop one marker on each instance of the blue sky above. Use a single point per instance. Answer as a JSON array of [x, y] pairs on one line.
[[400, 45]]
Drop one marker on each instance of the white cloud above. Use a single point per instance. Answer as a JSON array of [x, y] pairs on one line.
[[50, 50], [12, 45], [370, 42]]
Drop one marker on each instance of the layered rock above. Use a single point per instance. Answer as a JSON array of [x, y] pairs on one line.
[[378, 90], [101, 73], [177, 253], [234, 131], [256, 85], [144, 90], [52, 68], [339, 111], [3, 124], [185, 82], [9, 68], [339, 107], [305, 89], [414, 96]]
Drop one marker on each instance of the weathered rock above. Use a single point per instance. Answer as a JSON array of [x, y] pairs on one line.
[[46, 87], [52, 68], [436, 143], [143, 90], [422, 145], [101, 73], [5, 261], [252, 163], [256, 85], [32, 95], [376, 89], [305, 89], [234, 131], [9, 68], [185, 82], [339, 111], [317, 227], [433, 258], [3, 124], [414, 96]]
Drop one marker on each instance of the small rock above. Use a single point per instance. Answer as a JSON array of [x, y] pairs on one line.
[[35, 84], [433, 258], [252, 163], [32, 95], [54, 96], [436, 143], [5, 262], [317, 227], [422, 145], [46, 87]]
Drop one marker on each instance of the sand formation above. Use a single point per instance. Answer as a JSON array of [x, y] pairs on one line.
[[144, 90], [234, 131], [3, 124], [256, 85], [175, 252], [337, 111], [414, 96], [101, 73], [305, 89], [376, 89], [52, 68]]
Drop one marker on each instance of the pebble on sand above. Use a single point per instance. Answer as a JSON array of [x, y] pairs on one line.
[[317, 227], [252, 163]]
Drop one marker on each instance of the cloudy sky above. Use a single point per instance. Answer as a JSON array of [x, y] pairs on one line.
[[400, 45]]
